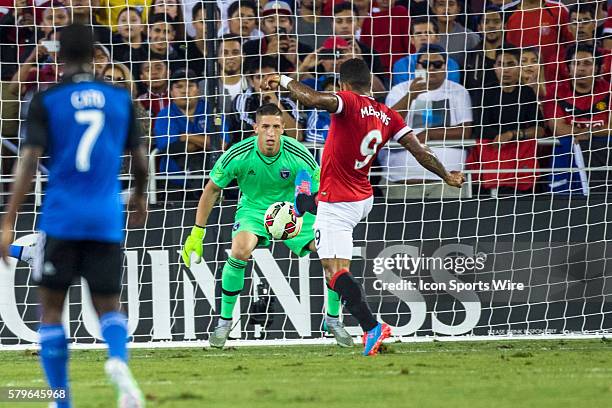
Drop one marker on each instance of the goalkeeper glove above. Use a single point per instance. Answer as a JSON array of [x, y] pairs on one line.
[[193, 244]]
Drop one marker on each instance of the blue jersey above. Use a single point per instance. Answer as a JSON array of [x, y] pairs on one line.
[[84, 127]]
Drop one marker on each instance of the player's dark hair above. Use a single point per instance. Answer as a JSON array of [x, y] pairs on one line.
[[268, 109], [571, 52], [515, 52], [254, 65], [579, 8], [76, 44], [432, 49], [160, 18], [424, 20], [229, 38], [344, 6], [356, 73], [199, 6], [235, 6], [491, 8]]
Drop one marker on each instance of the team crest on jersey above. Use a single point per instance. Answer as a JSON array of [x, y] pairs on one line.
[[236, 226], [285, 173], [600, 106]]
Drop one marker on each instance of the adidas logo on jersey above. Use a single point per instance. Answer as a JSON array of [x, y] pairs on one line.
[[251, 172]]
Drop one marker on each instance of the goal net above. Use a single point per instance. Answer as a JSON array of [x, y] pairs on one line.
[[518, 98]]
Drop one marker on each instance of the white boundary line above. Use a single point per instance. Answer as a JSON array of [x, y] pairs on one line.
[[319, 341]]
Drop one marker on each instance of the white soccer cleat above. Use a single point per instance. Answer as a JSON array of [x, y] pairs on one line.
[[121, 377], [218, 338], [335, 327]]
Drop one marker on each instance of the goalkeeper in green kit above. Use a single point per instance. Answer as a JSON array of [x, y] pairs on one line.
[[265, 167]]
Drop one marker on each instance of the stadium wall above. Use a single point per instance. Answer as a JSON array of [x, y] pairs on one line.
[[558, 249]]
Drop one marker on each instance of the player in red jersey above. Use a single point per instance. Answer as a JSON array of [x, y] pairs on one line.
[[359, 128]]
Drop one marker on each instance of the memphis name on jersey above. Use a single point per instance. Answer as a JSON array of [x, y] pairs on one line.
[[370, 111]]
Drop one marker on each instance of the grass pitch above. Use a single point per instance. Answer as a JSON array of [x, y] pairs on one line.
[[518, 373]]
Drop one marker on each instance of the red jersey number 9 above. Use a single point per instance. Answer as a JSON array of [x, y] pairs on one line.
[[368, 147]]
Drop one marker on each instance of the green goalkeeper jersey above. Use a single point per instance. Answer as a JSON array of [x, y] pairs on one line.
[[264, 180]]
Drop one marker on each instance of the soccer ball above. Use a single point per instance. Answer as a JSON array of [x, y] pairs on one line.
[[281, 222]]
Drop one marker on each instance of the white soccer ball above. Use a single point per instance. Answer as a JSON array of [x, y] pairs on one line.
[[281, 222]]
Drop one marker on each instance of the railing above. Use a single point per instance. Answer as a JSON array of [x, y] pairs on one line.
[[155, 176]]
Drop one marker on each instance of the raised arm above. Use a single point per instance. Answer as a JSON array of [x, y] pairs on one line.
[[303, 93], [428, 159]]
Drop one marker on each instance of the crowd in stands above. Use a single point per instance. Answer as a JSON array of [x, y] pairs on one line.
[[484, 82]]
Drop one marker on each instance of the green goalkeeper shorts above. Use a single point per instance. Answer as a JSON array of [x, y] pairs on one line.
[[251, 220]]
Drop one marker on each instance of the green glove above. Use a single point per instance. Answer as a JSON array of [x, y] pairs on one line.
[[193, 243]]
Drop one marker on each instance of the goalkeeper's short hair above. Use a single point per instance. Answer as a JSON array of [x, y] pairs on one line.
[[268, 109]]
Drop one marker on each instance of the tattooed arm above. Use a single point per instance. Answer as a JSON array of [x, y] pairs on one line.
[[305, 94], [428, 159]]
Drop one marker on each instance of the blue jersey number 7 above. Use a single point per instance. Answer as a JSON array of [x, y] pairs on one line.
[[94, 119]]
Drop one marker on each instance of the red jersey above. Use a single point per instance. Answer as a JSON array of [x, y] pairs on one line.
[[587, 111], [386, 32], [358, 130], [543, 27]]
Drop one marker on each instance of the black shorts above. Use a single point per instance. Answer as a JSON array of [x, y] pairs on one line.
[[60, 262]]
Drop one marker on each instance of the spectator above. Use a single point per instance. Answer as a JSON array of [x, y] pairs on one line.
[[454, 37], [82, 13], [539, 23], [230, 64], [532, 72], [17, 37], [279, 40], [109, 11], [583, 27], [607, 30], [437, 109], [196, 49], [181, 129], [154, 77], [129, 43], [311, 26], [54, 16], [242, 20], [385, 32], [242, 118], [423, 31], [120, 75], [40, 69], [333, 52], [579, 116], [101, 58], [173, 10], [38, 72], [231, 82], [161, 42], [480, 61], [509, 118], [346, 25]]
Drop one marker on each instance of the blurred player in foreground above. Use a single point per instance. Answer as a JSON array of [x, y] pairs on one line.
[[265, 167], [359, 128], [84, 126]]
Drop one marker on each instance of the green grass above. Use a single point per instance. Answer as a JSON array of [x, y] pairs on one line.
[[570, 373]]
